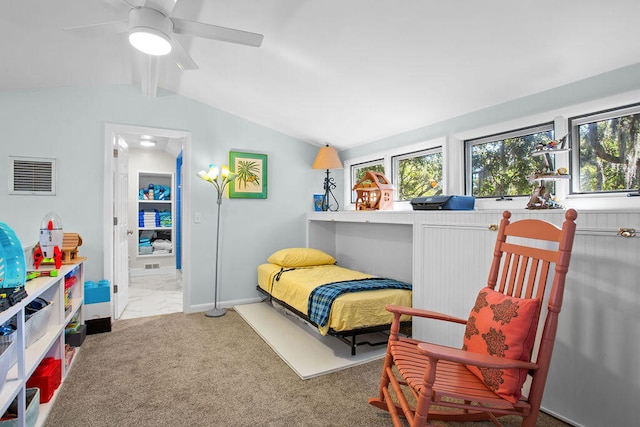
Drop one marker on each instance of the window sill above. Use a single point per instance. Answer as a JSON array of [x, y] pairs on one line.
[[599, 202]]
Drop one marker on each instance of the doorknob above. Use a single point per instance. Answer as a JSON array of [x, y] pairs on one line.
[[129, 232]]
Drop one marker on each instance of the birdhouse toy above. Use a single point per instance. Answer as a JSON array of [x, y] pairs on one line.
[[374, 192], [70, 243]]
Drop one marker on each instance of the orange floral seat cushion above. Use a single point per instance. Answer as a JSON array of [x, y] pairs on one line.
[[502, 326]]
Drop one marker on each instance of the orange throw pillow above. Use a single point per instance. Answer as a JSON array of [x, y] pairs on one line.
[[502, 326]]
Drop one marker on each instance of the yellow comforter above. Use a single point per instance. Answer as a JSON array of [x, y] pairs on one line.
[[349, 311]]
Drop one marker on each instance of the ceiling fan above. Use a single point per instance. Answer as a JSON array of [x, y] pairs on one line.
[[152, 31]]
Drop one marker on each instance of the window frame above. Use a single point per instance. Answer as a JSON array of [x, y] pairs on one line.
[[469, 143], [387, 155], [395, 160], [573, 123]]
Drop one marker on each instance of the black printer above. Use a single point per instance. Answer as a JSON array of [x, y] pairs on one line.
[[450, 203]]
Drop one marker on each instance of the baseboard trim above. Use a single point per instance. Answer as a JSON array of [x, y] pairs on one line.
[[162, 271]]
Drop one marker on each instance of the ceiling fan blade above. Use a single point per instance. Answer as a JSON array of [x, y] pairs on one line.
[[181, 56], [121, 26], [214, 32]]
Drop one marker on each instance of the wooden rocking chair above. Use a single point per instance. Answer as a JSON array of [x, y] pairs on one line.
[[483, 380]]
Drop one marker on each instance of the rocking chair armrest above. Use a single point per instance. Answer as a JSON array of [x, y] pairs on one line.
[[469, 358], [418, 312]]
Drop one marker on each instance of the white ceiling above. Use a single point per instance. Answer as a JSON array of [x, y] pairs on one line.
[[344, 72]]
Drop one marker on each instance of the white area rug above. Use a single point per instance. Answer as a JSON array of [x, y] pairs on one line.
[[300, 346]]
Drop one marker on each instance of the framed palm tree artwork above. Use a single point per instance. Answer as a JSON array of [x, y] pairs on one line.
[[251, 175]]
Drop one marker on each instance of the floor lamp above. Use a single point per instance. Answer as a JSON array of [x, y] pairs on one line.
[[219, 181], [327, 158]]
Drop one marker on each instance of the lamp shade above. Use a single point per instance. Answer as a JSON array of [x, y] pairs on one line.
[[327, 158]]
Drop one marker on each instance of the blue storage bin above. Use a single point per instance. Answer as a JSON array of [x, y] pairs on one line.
[[96, 292]]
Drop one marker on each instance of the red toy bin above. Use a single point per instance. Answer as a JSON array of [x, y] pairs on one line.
[[47, 377]]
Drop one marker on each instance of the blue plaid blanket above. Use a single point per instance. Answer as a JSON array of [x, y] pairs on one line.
[[322, 297]]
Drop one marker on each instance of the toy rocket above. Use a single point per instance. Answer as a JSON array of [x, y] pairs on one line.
[[49, 250]]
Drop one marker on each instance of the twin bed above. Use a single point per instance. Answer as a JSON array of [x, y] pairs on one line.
[[338, 301]]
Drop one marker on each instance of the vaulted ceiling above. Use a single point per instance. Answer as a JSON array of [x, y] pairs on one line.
[[346, 72]]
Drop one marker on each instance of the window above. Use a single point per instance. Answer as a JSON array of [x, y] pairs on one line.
[[418, 174], [498, 165], [606, 150], [358, 171]]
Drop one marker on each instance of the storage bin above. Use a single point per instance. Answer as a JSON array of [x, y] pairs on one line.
[[7, 352], [47, 377], [9, 419], [97, 326], [37, 315], [97, 292], [36, 324], [97, 311], [76, 338], [7, 336]]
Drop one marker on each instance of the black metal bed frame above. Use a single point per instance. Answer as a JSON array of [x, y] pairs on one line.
[[349, 337]]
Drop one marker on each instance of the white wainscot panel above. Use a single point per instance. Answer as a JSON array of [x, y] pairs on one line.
[[455, 266], [594, 377]]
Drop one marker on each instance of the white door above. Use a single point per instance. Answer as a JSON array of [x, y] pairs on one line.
[[120, 227]]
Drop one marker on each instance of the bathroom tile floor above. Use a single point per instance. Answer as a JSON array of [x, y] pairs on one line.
[[152, 295]]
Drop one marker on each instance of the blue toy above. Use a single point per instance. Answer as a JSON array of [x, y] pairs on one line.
[[13, 268]]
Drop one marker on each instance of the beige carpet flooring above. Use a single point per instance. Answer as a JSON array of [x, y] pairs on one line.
[[190, 370]]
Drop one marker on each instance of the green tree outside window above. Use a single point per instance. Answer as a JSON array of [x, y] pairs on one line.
[[419, 176], [609, 154], [500, 167]]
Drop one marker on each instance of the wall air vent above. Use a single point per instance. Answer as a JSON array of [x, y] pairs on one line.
[[32, 176]]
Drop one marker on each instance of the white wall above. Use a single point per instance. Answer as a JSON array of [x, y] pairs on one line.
[[68, 124], [597, 87]]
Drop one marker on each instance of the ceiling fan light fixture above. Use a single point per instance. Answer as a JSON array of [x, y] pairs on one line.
[[150, 41], [148, 31]]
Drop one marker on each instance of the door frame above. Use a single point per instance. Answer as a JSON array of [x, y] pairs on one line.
[[111, 131]]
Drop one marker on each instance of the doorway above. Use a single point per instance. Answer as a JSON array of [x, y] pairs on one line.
[[121, 230]]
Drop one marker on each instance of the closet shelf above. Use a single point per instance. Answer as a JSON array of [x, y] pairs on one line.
[[156, 233]]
